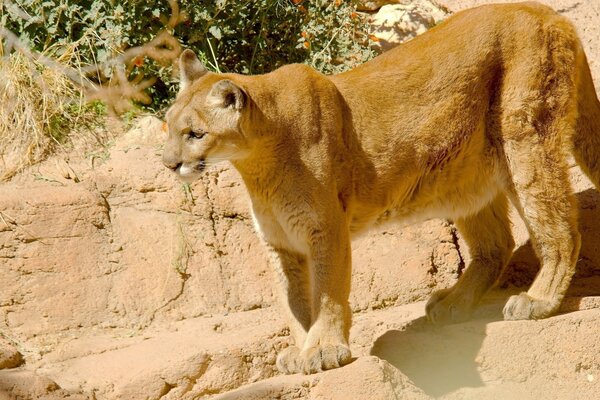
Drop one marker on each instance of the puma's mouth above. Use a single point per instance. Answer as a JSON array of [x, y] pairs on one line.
[[189, 173]]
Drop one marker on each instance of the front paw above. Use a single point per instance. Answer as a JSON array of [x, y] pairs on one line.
[[445, 307], [289, 361], [523, 306], [320, 358]]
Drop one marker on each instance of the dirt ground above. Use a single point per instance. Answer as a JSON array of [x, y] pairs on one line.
[[127, 285]]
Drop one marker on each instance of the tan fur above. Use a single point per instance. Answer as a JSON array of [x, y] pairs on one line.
[[481, 110]]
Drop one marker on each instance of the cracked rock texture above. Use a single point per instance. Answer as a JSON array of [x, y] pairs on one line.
[[130, 285]]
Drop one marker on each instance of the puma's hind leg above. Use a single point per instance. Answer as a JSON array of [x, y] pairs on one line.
[[490, 242], [542, 194]]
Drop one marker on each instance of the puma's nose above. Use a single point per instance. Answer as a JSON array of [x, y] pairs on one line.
[[172, 165]]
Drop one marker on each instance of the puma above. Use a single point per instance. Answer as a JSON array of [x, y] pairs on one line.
[[482, 110]]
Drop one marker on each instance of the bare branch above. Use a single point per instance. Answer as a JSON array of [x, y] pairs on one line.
[[18, 11], [118, 91], [13, 43]]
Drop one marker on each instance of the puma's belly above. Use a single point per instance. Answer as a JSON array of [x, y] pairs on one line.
[[446, 193], [451, 197]]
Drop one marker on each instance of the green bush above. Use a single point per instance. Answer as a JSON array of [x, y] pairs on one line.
[[245, 36]]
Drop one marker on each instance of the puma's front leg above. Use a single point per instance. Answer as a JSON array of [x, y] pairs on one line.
[[293, 274], [326, 345]]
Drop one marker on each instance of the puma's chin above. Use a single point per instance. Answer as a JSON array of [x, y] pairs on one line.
[[190, 173]]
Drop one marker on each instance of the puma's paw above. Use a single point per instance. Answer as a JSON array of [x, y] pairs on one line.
[[289, 361], [320, 358], [522, 306], [445, 308]]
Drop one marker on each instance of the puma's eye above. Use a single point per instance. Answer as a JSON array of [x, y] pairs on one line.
[[196, 134]]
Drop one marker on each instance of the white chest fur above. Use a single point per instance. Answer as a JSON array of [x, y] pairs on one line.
[[279, 228]]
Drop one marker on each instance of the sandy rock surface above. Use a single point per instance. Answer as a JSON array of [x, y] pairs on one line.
[[125, 284], [396, 23]]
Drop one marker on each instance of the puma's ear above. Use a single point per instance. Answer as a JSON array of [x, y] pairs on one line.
[[226, 94], [190, 68]]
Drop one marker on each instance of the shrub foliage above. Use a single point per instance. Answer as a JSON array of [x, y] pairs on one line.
[[245, 36]]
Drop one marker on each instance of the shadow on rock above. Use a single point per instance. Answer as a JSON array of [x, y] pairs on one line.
[[438, 360]]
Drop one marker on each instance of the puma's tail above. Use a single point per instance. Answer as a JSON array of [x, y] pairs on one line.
[[586, 140]]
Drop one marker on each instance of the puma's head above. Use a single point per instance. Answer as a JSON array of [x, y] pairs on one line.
[[205, 120]]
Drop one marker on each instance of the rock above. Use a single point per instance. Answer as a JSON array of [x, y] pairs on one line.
[[374, 5], [396, 265], [367, 378], [397, 23], [9, 356], [193, 357], [53, 245], [147, 131], [26, 385]]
